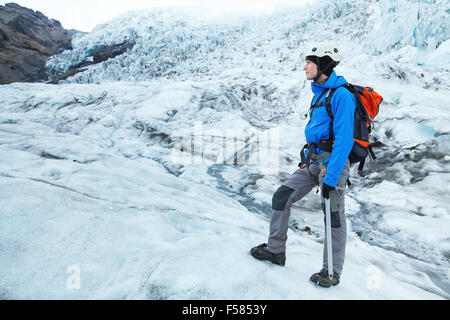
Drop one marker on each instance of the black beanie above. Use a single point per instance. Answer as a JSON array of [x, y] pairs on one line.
[[325, 64]]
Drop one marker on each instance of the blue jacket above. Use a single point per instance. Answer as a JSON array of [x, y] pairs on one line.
[[318, 128]]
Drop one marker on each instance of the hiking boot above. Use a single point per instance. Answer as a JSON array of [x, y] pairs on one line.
[[262, 253], [322, 279], [316, 276]]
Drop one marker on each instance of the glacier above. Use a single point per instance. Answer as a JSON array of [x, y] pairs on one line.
[[102, 173]]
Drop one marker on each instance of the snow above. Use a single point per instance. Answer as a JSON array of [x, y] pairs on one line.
[[118, 176]]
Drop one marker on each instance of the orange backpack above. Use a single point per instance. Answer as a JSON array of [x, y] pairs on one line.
[[368, 104]]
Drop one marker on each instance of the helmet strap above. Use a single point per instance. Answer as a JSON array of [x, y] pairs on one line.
[[320, 72]]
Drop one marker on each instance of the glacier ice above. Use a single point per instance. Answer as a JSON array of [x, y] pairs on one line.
[[96, 172]]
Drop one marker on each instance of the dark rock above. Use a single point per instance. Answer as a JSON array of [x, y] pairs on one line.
[[103, 53], [27, 39], [72, 71], [378, 144], [100, 54], [47, 155]]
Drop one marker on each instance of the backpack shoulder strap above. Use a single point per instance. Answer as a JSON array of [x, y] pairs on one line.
[[319, 104], [328, 102], [350, 87], [330, 110]]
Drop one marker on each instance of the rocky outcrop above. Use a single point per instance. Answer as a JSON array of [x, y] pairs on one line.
[[27, 39], [103, 53]]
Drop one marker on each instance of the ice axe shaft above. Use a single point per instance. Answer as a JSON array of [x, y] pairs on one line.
[[329, 242]]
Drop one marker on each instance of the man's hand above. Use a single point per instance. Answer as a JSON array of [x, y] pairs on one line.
[[326, 189]]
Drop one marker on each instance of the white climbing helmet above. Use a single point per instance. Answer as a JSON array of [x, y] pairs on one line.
[[325, 49]]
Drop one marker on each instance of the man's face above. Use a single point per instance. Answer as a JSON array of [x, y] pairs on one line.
[[310, 70]]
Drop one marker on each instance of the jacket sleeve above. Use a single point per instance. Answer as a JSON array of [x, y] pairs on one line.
[[343, 107]]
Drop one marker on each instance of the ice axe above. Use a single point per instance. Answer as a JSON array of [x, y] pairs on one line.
[[329, 241], [323, 170]]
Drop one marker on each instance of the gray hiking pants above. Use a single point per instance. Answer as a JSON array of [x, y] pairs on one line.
[[294, 189]]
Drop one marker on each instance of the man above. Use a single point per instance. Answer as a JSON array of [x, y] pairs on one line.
[[324, 162]]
